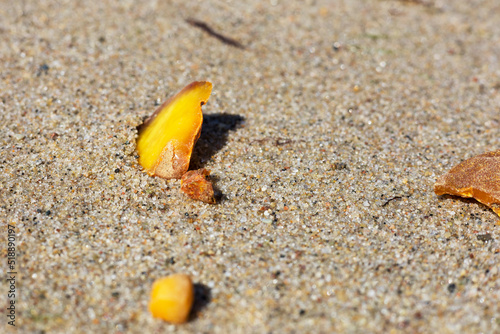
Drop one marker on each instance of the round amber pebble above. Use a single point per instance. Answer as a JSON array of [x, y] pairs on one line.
[[172, 298]]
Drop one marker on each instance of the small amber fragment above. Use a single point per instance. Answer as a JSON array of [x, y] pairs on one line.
[[477, 177], [172, 298], [166, 139], [195, 185]]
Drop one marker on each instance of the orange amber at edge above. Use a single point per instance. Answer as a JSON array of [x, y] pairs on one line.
[[477, 177]]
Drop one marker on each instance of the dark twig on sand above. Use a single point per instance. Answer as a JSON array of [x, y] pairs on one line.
[[206, 28], [395, 198]]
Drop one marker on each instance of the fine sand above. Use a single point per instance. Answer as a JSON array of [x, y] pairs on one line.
[[328, 125]]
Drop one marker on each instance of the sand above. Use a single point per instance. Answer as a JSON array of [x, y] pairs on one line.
[[327, 127]]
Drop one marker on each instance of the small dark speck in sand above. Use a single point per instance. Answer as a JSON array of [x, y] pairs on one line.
[[485, 237], [42, 69]]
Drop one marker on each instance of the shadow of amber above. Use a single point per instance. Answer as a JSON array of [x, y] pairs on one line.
[[213, 138], [202, 297]]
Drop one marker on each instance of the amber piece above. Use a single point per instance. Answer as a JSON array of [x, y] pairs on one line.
[[477, 177], [195, 185], [166, 139], [172, 298]]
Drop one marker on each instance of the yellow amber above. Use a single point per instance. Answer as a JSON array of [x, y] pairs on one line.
[[166, 139], [172, 298]]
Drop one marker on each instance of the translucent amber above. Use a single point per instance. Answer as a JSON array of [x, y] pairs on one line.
[[196, 186], [477, 177], [172, 298], [166, 139]]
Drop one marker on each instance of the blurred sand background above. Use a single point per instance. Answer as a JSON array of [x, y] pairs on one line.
[[327, 127]]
